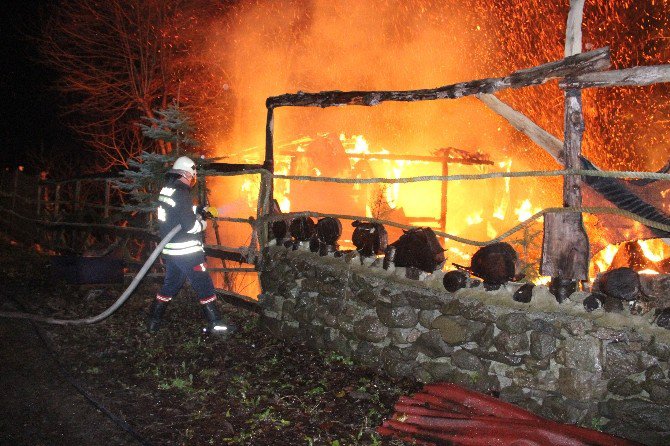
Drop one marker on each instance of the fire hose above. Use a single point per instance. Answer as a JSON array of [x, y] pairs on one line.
[[109, 311]]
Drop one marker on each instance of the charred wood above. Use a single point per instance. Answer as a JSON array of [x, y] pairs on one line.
[[636, 76], [595, 60]]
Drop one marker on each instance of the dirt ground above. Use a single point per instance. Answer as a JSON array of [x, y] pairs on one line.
[[177, 387]]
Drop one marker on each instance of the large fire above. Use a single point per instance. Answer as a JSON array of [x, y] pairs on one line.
[[274, 47]]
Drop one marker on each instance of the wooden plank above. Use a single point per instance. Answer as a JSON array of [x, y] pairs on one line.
[[233, 167], [636, 76], [224, 253], [565, 247], [238, 300], [572, 147], [595, 60], [565, 255]]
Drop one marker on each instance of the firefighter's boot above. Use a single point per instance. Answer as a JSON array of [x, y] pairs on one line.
[[214, 323], [156, 312]]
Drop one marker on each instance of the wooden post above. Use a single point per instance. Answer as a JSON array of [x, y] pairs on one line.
[[565, 248]]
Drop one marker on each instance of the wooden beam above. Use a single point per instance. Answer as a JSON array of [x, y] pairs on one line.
[[595, 60], [636, 76], [233, 167], [573, 34], [565, 246]]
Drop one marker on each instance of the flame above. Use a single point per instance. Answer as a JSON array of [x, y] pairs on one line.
[[475, 218], [526, 210], [604, 258], [291, 39], [653, 253], [649, 272]]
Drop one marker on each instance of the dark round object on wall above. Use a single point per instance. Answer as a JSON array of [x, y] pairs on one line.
[[314, 243], [369, 238], [302, 228], [594, 301], [329, 230], [621, 283], [419, 248], [524, 294], [495, 263], [454, 280]]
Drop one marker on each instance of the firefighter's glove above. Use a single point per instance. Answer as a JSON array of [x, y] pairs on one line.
[[211, 212], [207, 211]]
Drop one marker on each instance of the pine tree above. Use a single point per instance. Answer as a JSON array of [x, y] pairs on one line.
[[146, 175]]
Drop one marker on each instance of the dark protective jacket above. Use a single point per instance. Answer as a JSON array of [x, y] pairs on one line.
[[175, 207]]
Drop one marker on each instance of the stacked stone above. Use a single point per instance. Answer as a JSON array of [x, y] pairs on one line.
[[557, 364]]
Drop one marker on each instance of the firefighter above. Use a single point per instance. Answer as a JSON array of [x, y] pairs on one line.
[[184, 255]]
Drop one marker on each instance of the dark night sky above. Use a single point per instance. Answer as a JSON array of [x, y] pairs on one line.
[[28, 113]]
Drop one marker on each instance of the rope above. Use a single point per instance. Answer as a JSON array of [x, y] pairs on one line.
[[481, 176]]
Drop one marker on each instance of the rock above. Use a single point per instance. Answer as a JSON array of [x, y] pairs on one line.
[[495, 263], [431, 344], [613, 305], [512, 394], [404, 335], [640, 413], [658, 390], [485, 337], [580, 385], [467, 361], [659, 350], [370, 329], [624, 387], [397, 317], [511, 343], [514, 360], [654, 372], [367, 354], [552, 328], [367, 296], [562, 409], [475, 311], [426, 317], [656, 289], [619, 362], [583, 354], [542, 345], [514, 323], [638, 434], [456, 330], [662, 318]]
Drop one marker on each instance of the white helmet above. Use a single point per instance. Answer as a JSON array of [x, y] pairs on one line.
[[183, 165]]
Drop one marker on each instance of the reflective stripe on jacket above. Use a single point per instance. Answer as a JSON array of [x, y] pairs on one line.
[[175, 207]]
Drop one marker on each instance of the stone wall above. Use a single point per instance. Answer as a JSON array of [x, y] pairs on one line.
[[602, 370]]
